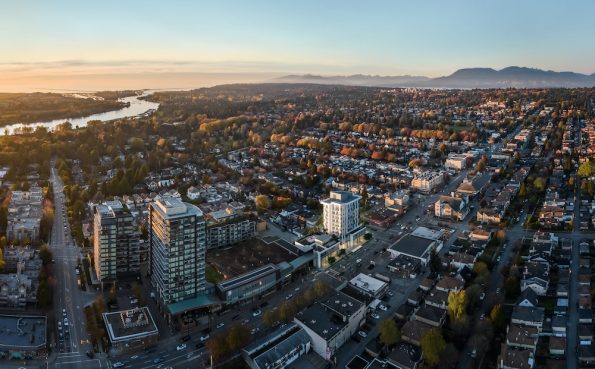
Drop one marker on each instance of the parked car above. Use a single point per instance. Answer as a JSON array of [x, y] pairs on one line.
[[185, 338], [181, 347], [220, 325], [362, 334], [118, 364], [204, 338], [257, 312]]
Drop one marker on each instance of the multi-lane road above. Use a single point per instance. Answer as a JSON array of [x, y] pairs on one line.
[[68, 336]]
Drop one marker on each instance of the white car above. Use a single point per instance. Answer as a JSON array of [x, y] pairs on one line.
[[382, 307], [134, 357], [118, 364], [220, 325], [254, 330], [375, 316], [204, 338], [66, 322], [363, 334], [257, 313], [181, 347]]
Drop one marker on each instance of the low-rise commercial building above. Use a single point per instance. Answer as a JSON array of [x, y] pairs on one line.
[[131, 330], [278, 349], [23, 337], [331, 322]]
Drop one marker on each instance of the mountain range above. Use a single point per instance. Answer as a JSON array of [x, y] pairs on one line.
[[517, 77]]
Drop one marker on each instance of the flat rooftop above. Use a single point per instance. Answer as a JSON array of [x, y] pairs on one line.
[[250, 276], [130, 324], [413, 246], [171, 208], [22, 332], [368, 283]]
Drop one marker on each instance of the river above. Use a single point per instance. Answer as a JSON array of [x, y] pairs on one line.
[[137, 107]]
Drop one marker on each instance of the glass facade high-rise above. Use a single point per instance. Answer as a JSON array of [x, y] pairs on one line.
[[177, 246]]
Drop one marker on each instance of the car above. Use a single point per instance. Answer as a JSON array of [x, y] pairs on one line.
[[204, 338], [118, 364], [296, 289], [185, 338], [288, 296], [66, 322], [64, 313], [482, 316], [134, 357], [220, 325], [390, 293], [375, 316], [382, 307], [158, 360], [482, 296], [254, 330], [362, 334], [90, 354], [257, 312], [181, 347], [199, 345], [235, 317]]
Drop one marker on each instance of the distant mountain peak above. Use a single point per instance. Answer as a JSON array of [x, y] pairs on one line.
[[480, 77]]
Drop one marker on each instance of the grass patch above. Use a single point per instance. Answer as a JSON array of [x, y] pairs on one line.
[[213, 275]]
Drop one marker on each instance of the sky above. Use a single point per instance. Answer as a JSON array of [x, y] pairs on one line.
[[158, 44]]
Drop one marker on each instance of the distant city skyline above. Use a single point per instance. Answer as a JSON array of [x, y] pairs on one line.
[[114, 43]]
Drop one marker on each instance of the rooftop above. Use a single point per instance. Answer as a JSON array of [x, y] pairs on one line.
[[341, 197], [171, 208], [413, 246], [129, 324], [367, 283], [22, 332]]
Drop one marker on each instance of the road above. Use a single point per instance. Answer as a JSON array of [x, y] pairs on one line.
[[72, 347]]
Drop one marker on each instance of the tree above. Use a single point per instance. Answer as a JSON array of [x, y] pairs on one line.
[[432, 346], [269, 318], [435, 261], [523, 191], [457, 304], [473, 294], [262, 202], [497, 317], [480, 268], [217, 347], [449, 357], [539, 184], [45, 254], [586, 169], [237, 337], [389, 333], [287, 311]]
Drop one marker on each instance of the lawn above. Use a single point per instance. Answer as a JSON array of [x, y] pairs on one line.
[[213, 275]]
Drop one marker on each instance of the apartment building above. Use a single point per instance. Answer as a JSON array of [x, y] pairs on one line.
[[177, 246], [116, 246]]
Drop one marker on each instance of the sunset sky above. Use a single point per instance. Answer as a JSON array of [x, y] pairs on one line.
[[169, 44]]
